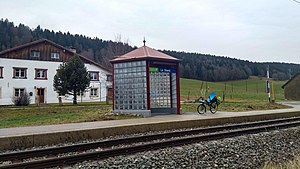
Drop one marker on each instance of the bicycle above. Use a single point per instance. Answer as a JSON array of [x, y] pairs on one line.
[[212, 102]]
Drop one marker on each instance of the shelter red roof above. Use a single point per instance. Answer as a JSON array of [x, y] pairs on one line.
[[145, 52]]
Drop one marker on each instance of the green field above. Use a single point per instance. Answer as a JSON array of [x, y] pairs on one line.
[[238, 97], [241, 95], [252, 89]]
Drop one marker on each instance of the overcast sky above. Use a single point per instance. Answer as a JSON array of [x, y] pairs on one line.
[[255, 30]]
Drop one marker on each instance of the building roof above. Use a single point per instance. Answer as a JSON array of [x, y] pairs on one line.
[[290, 80], [145, 52], [54, 44]]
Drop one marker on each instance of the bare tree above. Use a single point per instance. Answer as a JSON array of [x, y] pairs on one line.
[[122, 45]]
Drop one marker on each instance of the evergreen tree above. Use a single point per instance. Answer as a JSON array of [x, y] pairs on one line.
[[71, 78]]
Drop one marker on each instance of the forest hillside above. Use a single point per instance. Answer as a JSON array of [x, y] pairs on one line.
[[199, 66]]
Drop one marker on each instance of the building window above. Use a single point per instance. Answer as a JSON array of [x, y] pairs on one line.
[[19, 92], [35, 53], [54, 55], [41, 74], [109, 78], [1, 72], [94, 76], [81, 94], [94, 92], [20, 73]]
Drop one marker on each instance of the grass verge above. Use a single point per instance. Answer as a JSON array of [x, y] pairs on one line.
[[88, 112], [292, 164], [239, 106], [33, 116]]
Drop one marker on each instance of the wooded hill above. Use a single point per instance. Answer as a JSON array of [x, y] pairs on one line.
[[194, 65]]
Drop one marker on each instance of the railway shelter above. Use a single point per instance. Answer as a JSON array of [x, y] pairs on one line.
[[146, 82]]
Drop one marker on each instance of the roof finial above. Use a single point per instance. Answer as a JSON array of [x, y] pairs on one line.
[[144, 41]]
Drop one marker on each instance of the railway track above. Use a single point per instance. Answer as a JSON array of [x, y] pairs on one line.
[[146, 143]]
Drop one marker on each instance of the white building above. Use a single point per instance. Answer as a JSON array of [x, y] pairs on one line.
[[31, 68]]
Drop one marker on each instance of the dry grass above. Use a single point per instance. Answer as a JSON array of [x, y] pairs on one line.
[[292, 164]]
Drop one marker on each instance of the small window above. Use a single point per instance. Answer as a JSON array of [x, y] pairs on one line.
[[94, 92], [109, 78], [81, 94], [1, 72], [41, 74], [54, 55], [19, 92], [94, 76], [20, 73], [35, 53]]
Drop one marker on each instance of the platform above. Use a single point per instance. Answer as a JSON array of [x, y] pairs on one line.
[[20, 137]]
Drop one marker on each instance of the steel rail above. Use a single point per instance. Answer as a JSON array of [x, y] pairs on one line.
[[67, 160], [133, 139]]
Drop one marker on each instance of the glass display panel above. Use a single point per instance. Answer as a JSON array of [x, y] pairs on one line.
[[130, 86], [174, 94], [160, 90]]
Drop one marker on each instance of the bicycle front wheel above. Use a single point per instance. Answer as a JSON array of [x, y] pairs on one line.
[[213, 108], [201, 109]]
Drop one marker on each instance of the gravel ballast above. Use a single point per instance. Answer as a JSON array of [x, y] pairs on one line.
[[249, 151]]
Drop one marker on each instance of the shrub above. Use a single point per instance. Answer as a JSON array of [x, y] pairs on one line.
[[23, 100]]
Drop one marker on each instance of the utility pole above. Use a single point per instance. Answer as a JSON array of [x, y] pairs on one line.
[[268, 84], [100, 89], [290, 73], [273, 92]]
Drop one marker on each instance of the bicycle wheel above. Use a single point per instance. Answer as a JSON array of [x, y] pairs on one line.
[[201, 109], [213, 107]]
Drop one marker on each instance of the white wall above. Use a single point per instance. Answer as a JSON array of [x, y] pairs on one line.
[[8, 83]]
